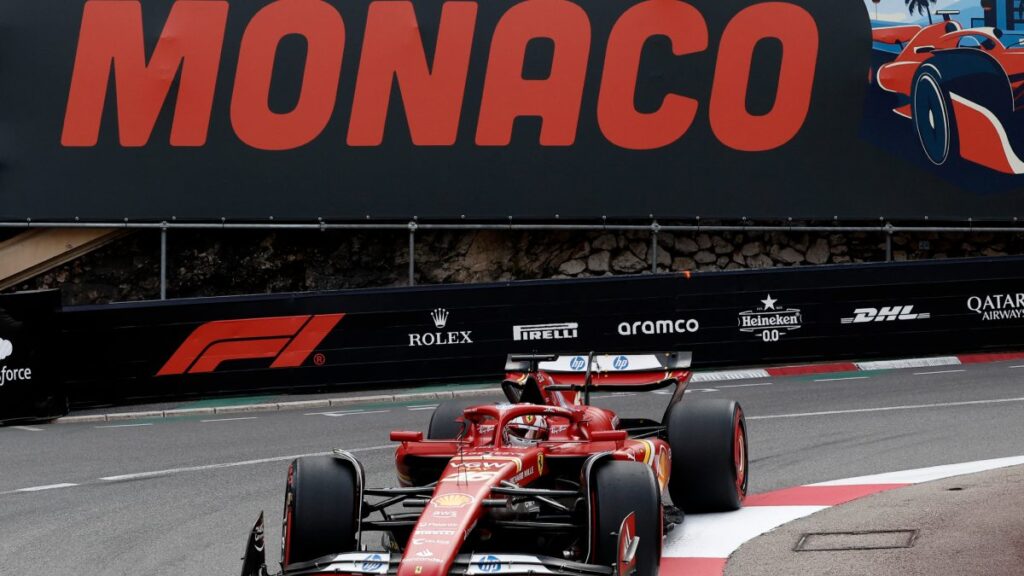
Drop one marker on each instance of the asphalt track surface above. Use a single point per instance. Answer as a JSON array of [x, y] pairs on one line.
[[178, 495]]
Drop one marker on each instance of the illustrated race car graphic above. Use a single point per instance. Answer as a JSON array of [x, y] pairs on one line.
[[542, 484], [962, 89]]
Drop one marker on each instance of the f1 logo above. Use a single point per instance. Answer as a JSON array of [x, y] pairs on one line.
[[289, 340]]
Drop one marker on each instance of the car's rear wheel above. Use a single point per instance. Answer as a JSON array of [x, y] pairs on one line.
[[933, 117], [621, 488], [709, 455], [446, 422], [321, 507]]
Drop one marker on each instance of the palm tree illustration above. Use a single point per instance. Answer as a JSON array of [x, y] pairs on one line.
[[922, 7]]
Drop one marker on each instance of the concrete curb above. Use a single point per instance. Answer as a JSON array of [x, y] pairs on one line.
[[277, 406], [833, 367]]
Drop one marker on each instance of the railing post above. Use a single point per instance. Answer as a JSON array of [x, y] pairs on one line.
[[163, 262], [888, 242], [654, 246], [412, 253]]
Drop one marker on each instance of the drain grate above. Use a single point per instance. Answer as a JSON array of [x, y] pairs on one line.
[[866, 540]]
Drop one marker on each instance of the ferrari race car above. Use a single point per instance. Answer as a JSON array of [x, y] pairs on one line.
[[543, 484], [962, 89]]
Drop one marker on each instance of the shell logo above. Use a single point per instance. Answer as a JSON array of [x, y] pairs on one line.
[[453, 500]]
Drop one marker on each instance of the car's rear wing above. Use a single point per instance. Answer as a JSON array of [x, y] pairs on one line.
[[608, 372]]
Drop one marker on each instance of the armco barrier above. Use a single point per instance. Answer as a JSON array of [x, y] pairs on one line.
[[392, 336]]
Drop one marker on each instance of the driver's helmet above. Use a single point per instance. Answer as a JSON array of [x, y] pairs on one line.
[[526, 430]]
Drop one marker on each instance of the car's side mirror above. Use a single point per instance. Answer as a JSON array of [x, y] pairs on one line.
[[406, 436], [923, 49]]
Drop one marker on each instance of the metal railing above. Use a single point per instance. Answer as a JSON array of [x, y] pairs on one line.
[[885, 228]]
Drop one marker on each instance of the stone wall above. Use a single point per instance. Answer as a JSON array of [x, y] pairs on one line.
[[204, 263]]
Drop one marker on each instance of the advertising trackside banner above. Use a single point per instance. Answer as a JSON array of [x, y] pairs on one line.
[[29, 386], [386, 337], [299, 109]]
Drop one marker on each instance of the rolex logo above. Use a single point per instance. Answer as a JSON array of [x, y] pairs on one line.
[[440, 317]]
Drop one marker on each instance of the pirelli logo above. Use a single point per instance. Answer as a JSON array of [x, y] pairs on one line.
[[289, 340]]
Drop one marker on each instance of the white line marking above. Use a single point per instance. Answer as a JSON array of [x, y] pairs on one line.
[[909, 363], [938, 372], [622, 394], [230, 419], [205, 467], [841, 379], [427, 407], [745, 385], [28, 428], [928, 474], [888, 408], [1020, 366], [126, 425], [748, 374], [47, 487], [337, 414]]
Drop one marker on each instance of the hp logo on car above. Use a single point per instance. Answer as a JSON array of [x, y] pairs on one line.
[[373, 563], [620, 363], [577, 363], [492, 563]]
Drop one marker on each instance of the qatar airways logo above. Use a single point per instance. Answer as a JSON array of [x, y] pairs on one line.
[[998, 306], [185, 62]]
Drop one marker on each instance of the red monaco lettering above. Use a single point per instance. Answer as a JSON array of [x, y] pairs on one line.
[[731, 122], [558, 97], [432, 98], [617, 116], [111, 37], [393, 55], [322, 27]]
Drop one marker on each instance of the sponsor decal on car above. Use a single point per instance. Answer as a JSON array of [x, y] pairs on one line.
[[453, 500], [885, 314], [770, 321], [556, 331], [471, 476], [652, 327], [11, 375], [998, 306], [489, 564], [440, 318], [372, 563]]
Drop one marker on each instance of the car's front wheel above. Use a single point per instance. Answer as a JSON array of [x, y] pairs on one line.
[[621, 488], [321, 508]]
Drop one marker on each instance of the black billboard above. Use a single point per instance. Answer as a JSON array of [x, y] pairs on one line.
[[299, 109], [30, 386], [398, 336]]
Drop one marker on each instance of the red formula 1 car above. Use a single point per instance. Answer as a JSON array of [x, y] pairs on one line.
[[543, 484], [962, 88]]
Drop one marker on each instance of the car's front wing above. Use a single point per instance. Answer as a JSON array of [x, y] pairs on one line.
[[386, 564]]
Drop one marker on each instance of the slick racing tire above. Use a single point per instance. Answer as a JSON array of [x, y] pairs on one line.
[[709, 455], [621, 488], [321, 506], [446, 422], [933, 117]]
